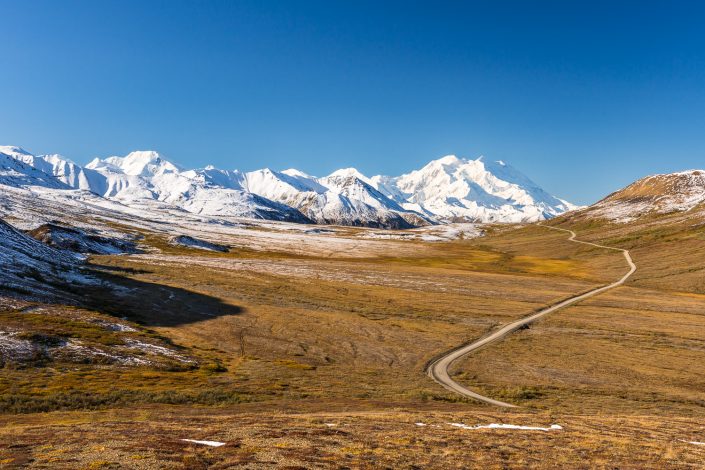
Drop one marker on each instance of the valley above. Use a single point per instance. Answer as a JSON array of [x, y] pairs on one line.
[[306, 344]]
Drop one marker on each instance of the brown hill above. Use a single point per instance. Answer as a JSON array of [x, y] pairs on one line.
[[653, 195]]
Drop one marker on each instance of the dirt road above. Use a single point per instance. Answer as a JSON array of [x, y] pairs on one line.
[[438, 368]]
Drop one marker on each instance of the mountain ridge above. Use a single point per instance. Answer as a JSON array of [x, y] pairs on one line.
[[446, 189], [653, 195]]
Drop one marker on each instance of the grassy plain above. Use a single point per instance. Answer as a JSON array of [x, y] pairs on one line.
[[289, 341]]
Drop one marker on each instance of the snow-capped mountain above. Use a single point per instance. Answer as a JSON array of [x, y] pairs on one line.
[[335, 199], [149, 176], [445, 190], [17, 169], [452, 188]]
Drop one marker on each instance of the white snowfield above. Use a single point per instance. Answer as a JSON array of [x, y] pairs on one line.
[[447, 189]]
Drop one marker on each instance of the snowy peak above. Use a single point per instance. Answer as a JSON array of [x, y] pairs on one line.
[[448, 160], [280, 186], [19, 168], [453, 188], [143, 163], [349, 172], [343, 200], [349, 185], [212, 176], [296, 173], [15, 152]]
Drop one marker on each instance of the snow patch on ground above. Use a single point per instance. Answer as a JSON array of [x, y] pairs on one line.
[[621, 212], [553, 427], [205, 443], [15, 348], [116, 327], [695, 443], [432, 233], [76, 347], [155, 350]]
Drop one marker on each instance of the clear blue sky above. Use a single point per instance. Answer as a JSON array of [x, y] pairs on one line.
[[583, 97]]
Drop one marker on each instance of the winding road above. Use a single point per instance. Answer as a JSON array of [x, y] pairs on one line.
[[437, 369]]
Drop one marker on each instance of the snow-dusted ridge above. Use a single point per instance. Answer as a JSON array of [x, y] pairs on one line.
[[29, 267], [681, 191], [449, 189]]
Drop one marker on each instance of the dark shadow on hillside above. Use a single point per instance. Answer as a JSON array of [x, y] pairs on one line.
[[119, 269], [150, 304]]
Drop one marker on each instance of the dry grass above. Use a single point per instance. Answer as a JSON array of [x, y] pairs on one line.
[[257, 437], [345, 339]]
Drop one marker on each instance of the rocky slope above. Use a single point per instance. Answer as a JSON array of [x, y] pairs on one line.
[[652, 196], [32, 269]]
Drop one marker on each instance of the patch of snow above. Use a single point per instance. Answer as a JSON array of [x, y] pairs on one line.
[[432, 233], [155, 350], [553, 427], [695, 443], [205, 443], [76, 347], [29, 266], [116, 327], [15, 348]]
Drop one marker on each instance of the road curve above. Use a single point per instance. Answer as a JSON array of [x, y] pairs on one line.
[[437, 369]]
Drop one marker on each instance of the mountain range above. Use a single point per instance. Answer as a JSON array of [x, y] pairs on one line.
[[448, 189]]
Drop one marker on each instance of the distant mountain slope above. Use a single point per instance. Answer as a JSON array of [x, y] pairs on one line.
[[446, 190], [16, 171], [343, 200], [651, 196], [149, 176], [61, 168]]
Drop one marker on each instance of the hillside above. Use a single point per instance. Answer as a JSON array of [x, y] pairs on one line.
[[655, 196], [31, 269]]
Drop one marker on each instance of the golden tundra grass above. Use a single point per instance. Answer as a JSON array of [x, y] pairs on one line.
[[300, 341], [264, 437]]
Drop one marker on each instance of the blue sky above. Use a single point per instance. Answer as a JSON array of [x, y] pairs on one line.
[[583, 97]]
